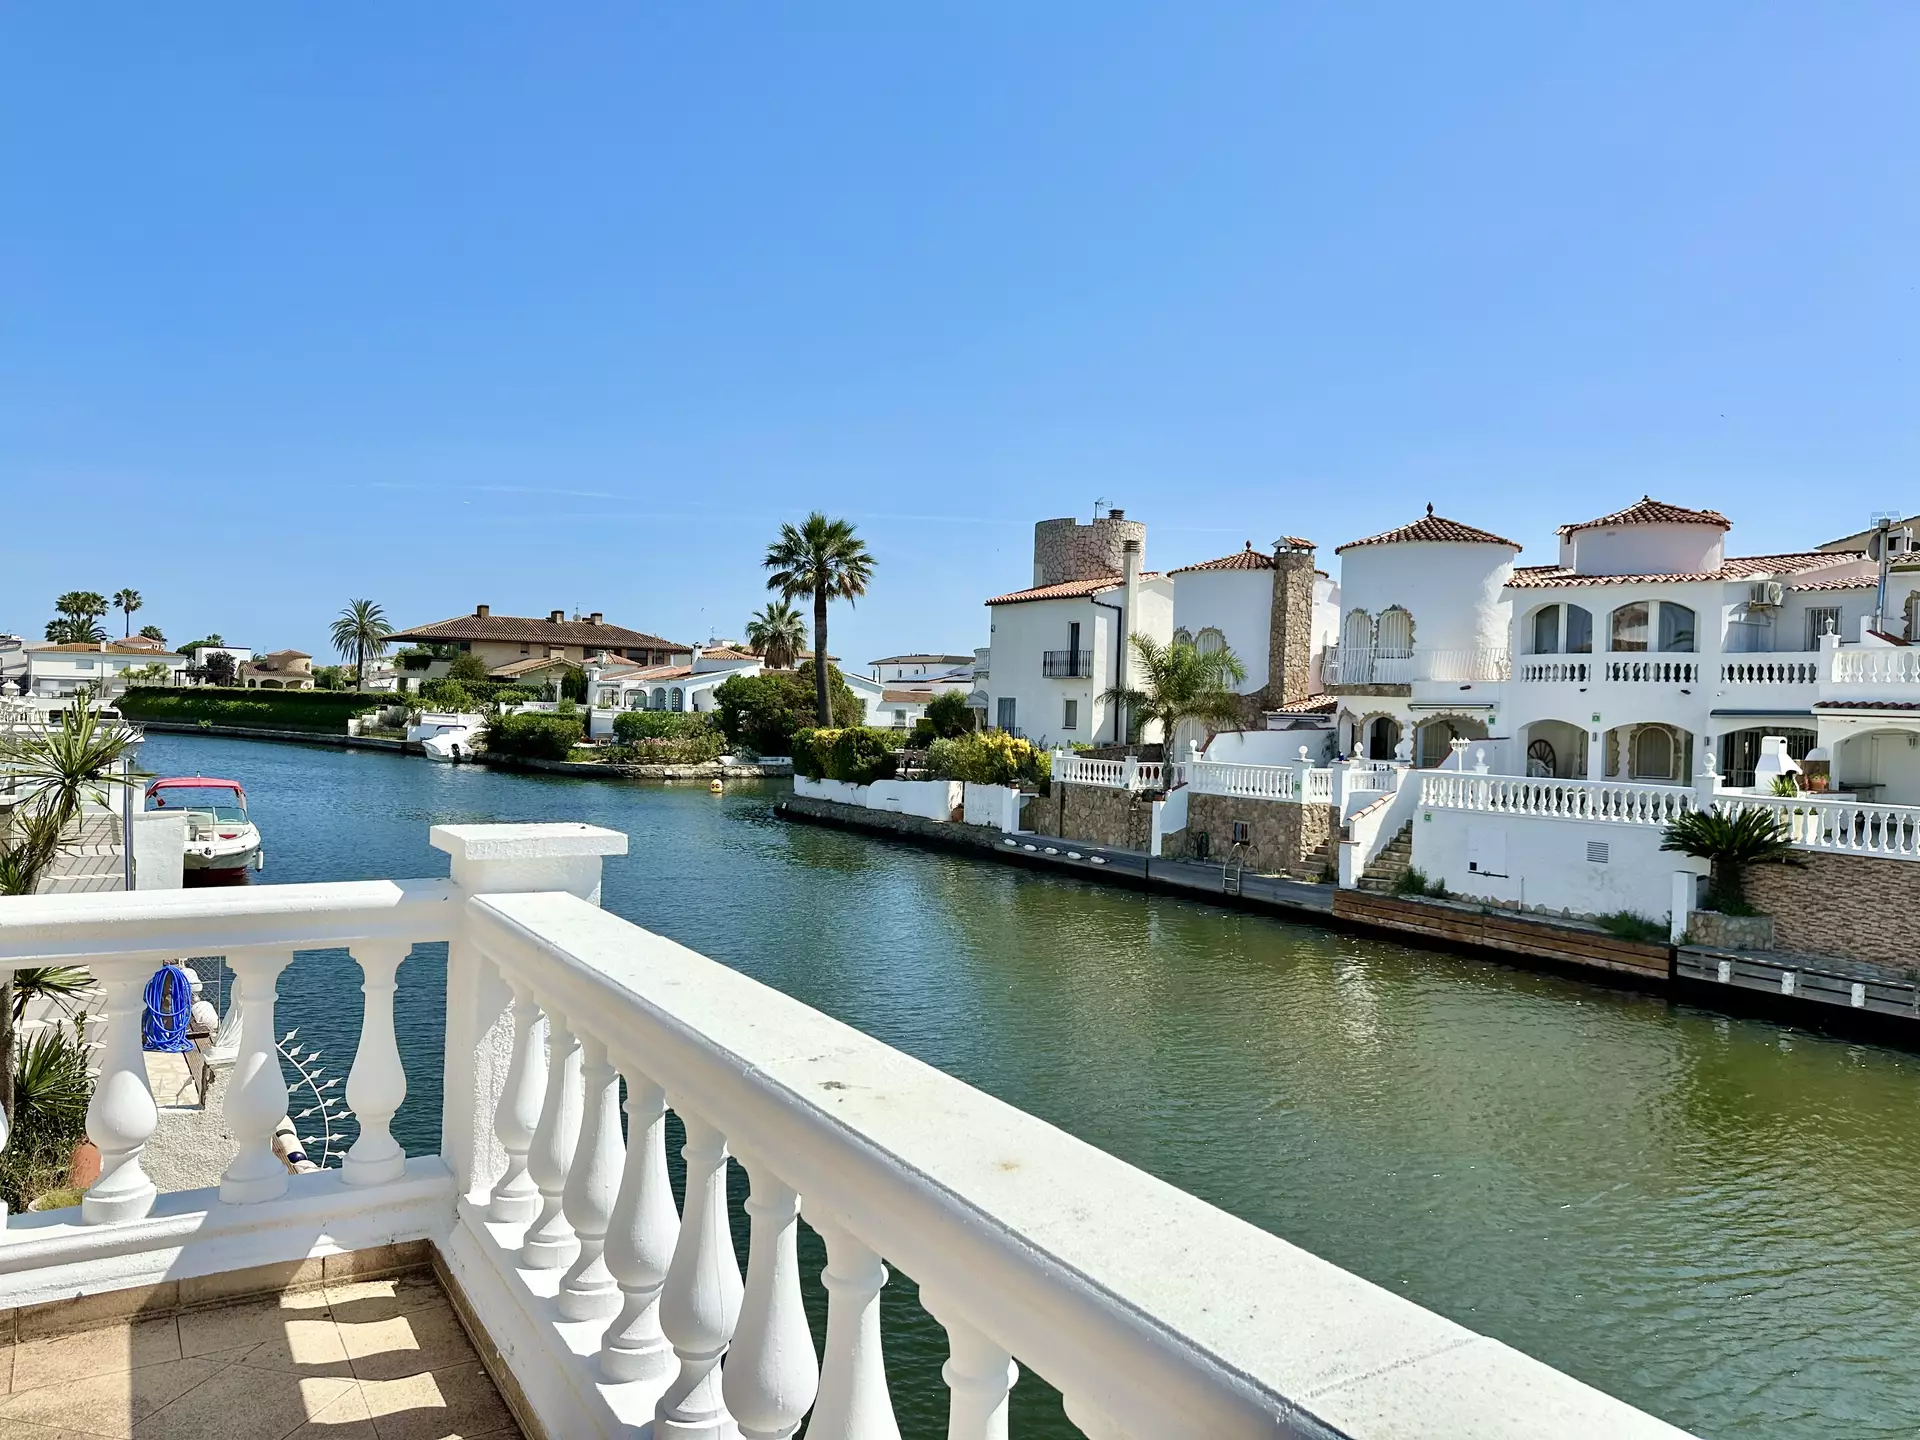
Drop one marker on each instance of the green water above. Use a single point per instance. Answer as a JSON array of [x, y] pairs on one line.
[[1714, 1219]]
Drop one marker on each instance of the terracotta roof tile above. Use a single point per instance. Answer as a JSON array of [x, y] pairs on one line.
[[531, 664], [1746, 567], [1430, 529], [111, 648], [1312, 705], [1856, 582], [529, 629], [1247, 559], [1866, 704], [1068, 589], [1649, 511], [906, 697]]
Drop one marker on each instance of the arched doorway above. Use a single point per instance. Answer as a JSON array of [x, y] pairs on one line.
[[1382, 737], [1434, 737], [1656, 754], [1554, 750]]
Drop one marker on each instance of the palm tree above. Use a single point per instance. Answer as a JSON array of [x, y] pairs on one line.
[[361, 634], [777, 634], [822, 559], [77, 612], [1732, 842], [126, 602], [1178, 684]]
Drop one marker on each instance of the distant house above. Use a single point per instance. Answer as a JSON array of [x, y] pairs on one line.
[[910, 670], [279, 670], [57, 671], [198, 655], [614, 684], [505, 640], [13, 663]]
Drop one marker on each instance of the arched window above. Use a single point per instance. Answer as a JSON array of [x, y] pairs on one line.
[[1356, 648], [659, 700], [1183, 636], [1653, 754], [1579, 631], [676, 699], [1630, 627], [607, 695], [1676, 627], [637, 700], [1395, 639], [1209, 641], [1546, 630]]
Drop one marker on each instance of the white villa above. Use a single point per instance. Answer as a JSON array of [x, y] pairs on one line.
[[614, 684], [58, 671], [907, 684]]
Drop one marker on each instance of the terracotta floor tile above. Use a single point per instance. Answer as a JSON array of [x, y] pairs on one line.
[[109, 1404], [94, 1352], [410, 1344], [457, 1403], [242, 1404]]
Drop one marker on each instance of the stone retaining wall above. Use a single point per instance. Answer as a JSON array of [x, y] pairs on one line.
[[1093, 813], [1857, 906], [1283, 838]]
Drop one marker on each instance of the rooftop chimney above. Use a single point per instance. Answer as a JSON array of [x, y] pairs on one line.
[[1116, 513], [554, 617], [481, 612], [1290, 624], [594, 618]]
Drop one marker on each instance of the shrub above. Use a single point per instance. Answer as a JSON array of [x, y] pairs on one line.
[[1732, 843], [762, 712], [989, 757], [448, 694], [669, 750], [1629, 926], [861, 756], [632, 726], [50, 1094], [924, 734], [534, 737], [809, 759], [1412, 882], [948, 715], [468, 668], [321, 711]]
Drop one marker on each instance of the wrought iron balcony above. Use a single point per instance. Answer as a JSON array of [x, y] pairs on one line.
[[1067, 664]]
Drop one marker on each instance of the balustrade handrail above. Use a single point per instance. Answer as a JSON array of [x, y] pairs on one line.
[[1603, 800], [1447, 665], [1868, 665]]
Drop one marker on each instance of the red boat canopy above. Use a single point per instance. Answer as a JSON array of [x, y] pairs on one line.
[[197, 782]]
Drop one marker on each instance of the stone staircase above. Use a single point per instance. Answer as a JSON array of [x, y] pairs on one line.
[[1390, 864]]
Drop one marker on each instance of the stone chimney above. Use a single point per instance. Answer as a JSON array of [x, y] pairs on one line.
[[1290, 627], [481, 612], [594, 618], [555, 617]]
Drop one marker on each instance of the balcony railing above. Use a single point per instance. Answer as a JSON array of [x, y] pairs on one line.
[[1859, 665], [1771, 671], [1067, 664], [1345, 666], [1604, 800], [609, 1308]]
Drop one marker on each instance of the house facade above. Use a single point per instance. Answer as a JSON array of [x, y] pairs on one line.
[[505, 640], [278, 670], [615, 684], [59, 671], [1275, 610]]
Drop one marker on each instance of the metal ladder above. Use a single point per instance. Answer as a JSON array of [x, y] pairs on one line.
[[1233, 868]]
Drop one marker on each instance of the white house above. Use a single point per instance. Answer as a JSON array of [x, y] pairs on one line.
[[197, 656], [13, 663], [57, 671], [914, 672], [1274, 610], [1059, 644], [614, 684]]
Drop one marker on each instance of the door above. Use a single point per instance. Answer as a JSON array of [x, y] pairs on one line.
[[1004, 713]]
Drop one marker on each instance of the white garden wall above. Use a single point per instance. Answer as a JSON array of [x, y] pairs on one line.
[[997, 806]]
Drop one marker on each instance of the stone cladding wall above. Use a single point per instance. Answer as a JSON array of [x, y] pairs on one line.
[[1856, 906], [1067, 550], [1290, 631], [1092, 813], [1282, 838]]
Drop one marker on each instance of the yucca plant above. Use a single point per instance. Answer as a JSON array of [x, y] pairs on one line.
[[49, 1115], [1731, 843]]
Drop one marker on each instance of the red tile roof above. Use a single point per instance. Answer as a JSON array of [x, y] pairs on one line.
[[1312, 705], [112, 647], [1431, 529], [1866, 704], [1649, 511], [1247, 559], [1856, 582], [1745, 567], [906, 697], [1068, 589], [531, 630]]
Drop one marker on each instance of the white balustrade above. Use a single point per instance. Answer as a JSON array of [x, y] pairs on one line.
[[701, 1304], [121, 1116], [640, 1240], [550, 1243], [1847, 827], [1652, 670], [1552, 670], [1027, 1242], [1626, 804], [1876, 665], [1771, 671], [1252, 782], [378, 1082], [1318, 789], [256, 1090], [1352, 666]]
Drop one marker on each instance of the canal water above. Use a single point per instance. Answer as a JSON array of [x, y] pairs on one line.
[[1714, 1219]]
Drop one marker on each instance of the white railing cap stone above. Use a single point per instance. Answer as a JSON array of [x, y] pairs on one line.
[[543, 841]]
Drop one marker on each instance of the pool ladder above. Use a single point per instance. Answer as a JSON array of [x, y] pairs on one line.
[[1233, 868]]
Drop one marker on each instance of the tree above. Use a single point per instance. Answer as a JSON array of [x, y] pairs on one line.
[[1178, 684], [762, 711], [777, 634], [78, 612], [126, 602], [153, 632], [824, 560], [948, 715], [217, 668], [361, 634], [468, 668], [1732, 842]]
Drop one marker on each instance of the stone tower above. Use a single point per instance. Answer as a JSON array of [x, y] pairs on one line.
[[1067, 550], [1290, 629]]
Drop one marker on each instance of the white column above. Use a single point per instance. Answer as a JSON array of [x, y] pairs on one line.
[[854, 1403], [256, 1090], [377, 1083], [978, 1372], [550, 1244], [588, 1291], [772, 1372], [701, 1303], [640, 1240], [516, 1199], [121, 1116]]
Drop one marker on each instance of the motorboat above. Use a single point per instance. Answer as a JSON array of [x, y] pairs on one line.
[[221, 840], [449, 742]]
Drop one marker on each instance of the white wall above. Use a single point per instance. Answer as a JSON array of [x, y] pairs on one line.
[[1237, 603], [1267, 747], [1453, 590], [1647, 550], [1545, 862]]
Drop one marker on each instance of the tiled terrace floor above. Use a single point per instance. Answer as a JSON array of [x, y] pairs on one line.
[[359, 1360]]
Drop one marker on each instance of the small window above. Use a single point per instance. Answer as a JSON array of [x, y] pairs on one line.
[[1676, 627], [1630, 627], [1823, 618], [677, 700], [1210, 641], [1070, 719], [1579, 631], [1240, 832], [1003, 712], [1546, 630]]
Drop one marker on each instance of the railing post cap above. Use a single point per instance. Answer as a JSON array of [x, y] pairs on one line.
[[545, 841]]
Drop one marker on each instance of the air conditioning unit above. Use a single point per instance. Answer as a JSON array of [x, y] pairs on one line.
[[1766, 595]]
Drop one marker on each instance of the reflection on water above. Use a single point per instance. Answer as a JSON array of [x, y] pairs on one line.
[[1711, 1218]]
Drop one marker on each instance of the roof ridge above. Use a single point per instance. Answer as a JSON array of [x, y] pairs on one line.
[[1432, 529]]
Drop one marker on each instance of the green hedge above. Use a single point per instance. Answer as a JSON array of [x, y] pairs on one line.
[[632, 726], [536, 736], [322, 711], [857, 756]]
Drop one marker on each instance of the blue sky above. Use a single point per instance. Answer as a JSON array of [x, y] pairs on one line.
[[570, 305]]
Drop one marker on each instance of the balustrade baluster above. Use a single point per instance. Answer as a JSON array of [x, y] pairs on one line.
[[589, 1291], [256, 1090], [550, 1242], [854, 1403], [701, 1303], [979, 1374], [640, 1239], [378, 1082], [771, 1372], [121, 1116], [516, 1199]]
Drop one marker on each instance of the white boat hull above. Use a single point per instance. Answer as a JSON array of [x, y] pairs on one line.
[[217, 853]]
